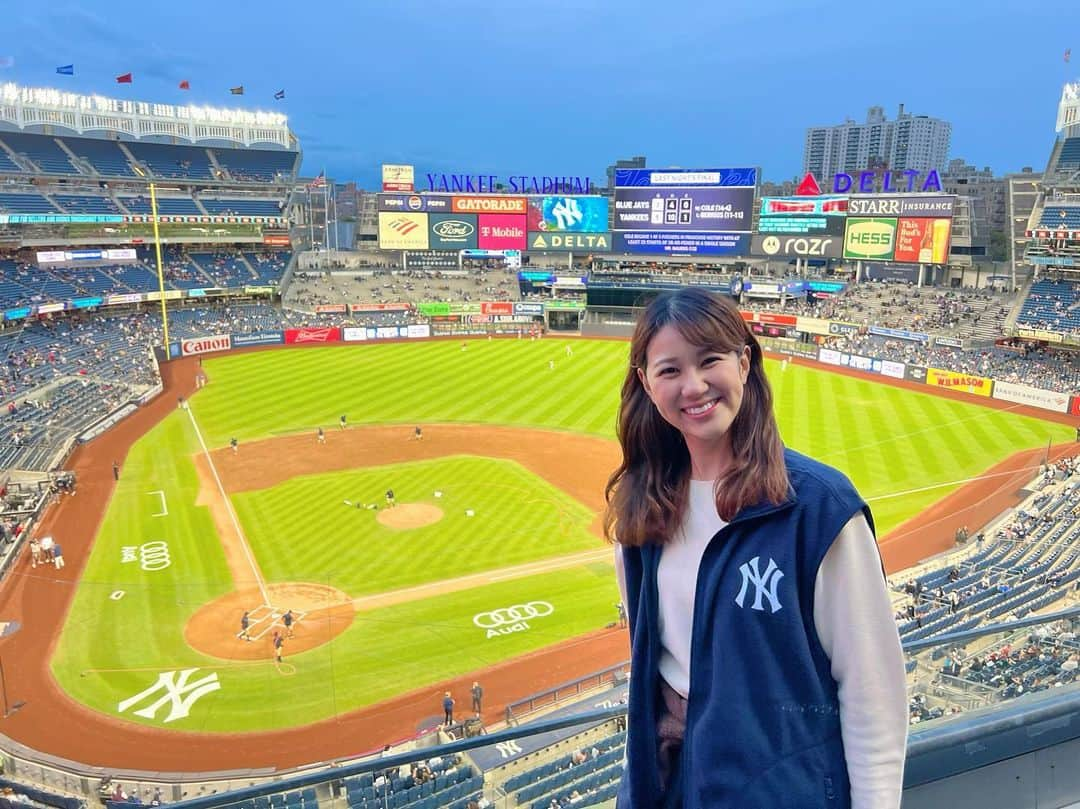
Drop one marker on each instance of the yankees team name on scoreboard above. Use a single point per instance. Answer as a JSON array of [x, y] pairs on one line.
[[449, 222]]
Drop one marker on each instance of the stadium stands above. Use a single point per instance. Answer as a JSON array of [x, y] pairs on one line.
[[104, 156], [25, 203], [257, 165], [1058, 216], [1069, 159], [167, 206], [1051, 305], [176, 162], [81, 203], [42, 150], [241, 207]]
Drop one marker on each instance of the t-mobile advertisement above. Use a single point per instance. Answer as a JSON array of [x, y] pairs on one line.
[[501, 231]]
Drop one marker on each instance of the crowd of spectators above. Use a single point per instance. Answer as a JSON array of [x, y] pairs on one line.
[[395, 285]]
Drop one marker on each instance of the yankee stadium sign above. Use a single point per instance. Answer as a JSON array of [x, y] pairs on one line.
[[514, 184]]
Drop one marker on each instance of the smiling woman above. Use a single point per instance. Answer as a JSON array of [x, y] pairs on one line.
[[706, 505]]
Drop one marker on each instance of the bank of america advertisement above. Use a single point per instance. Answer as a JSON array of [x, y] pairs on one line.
[[684, 211], [403, 231]]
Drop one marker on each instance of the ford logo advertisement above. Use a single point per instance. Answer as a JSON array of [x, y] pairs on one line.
[[452, 231]]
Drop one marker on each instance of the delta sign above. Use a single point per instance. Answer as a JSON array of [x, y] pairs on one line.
[[883, 181]]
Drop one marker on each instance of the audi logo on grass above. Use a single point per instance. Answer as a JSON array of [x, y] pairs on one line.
[[511, 619]]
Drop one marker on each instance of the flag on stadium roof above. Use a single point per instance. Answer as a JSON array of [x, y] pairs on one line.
[[237, 91], [7, 61], [185, 85], [280, 94], [123, 78], [320, 181], [66, 70]]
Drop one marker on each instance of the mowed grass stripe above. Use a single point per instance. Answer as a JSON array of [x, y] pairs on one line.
[[516, 518]]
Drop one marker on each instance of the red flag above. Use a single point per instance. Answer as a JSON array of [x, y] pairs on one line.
[[124, 79], [185, 85]]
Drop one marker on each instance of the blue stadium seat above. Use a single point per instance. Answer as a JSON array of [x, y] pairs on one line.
[[258, 165], [104, 155], [42, 150]]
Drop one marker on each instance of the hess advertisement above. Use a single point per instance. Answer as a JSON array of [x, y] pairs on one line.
[[869, 238], [568, 215], [403, 231]]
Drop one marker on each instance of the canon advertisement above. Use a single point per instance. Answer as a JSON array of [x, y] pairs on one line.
[[204, 345]]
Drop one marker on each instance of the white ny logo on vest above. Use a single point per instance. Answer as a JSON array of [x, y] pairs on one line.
[[765, 584]]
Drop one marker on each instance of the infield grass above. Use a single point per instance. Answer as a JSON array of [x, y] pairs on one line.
[[126, 623], [516, 518]]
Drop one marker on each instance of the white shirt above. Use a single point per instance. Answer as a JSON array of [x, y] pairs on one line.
[[854, 621]]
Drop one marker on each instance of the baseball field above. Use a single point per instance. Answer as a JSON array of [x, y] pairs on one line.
[[491, 549]]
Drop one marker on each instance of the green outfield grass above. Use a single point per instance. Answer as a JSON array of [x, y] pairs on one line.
[[126, 623], [517, 518]]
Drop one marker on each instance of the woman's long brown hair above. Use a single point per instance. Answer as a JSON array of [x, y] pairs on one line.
[[647, 494]]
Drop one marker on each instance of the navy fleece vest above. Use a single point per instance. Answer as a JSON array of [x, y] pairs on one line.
[[763, 718]]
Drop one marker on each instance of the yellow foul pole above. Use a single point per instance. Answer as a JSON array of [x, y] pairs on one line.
[[160, 270]]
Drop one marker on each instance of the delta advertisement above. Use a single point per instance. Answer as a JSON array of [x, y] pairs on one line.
[[403, 231], [571, 242], [965, 383], [684, 211]]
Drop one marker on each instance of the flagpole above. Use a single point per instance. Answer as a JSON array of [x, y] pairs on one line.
[[326, 211], [160, 270]]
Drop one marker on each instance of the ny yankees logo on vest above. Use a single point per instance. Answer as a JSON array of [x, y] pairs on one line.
[[765, 584]]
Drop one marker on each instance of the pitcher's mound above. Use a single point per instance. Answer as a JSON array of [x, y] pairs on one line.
[[409, 515]]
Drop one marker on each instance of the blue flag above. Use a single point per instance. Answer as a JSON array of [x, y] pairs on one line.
[[66, 70]]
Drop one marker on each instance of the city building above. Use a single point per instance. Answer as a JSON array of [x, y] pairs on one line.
[[1022, 193], [916, 142], [986, 191]]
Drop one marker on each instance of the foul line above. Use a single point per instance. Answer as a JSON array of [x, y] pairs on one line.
[[929, 429], [228, 507], [933, 486], [164, 506]]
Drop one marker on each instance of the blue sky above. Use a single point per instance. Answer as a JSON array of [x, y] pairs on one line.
[[565, 87]]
